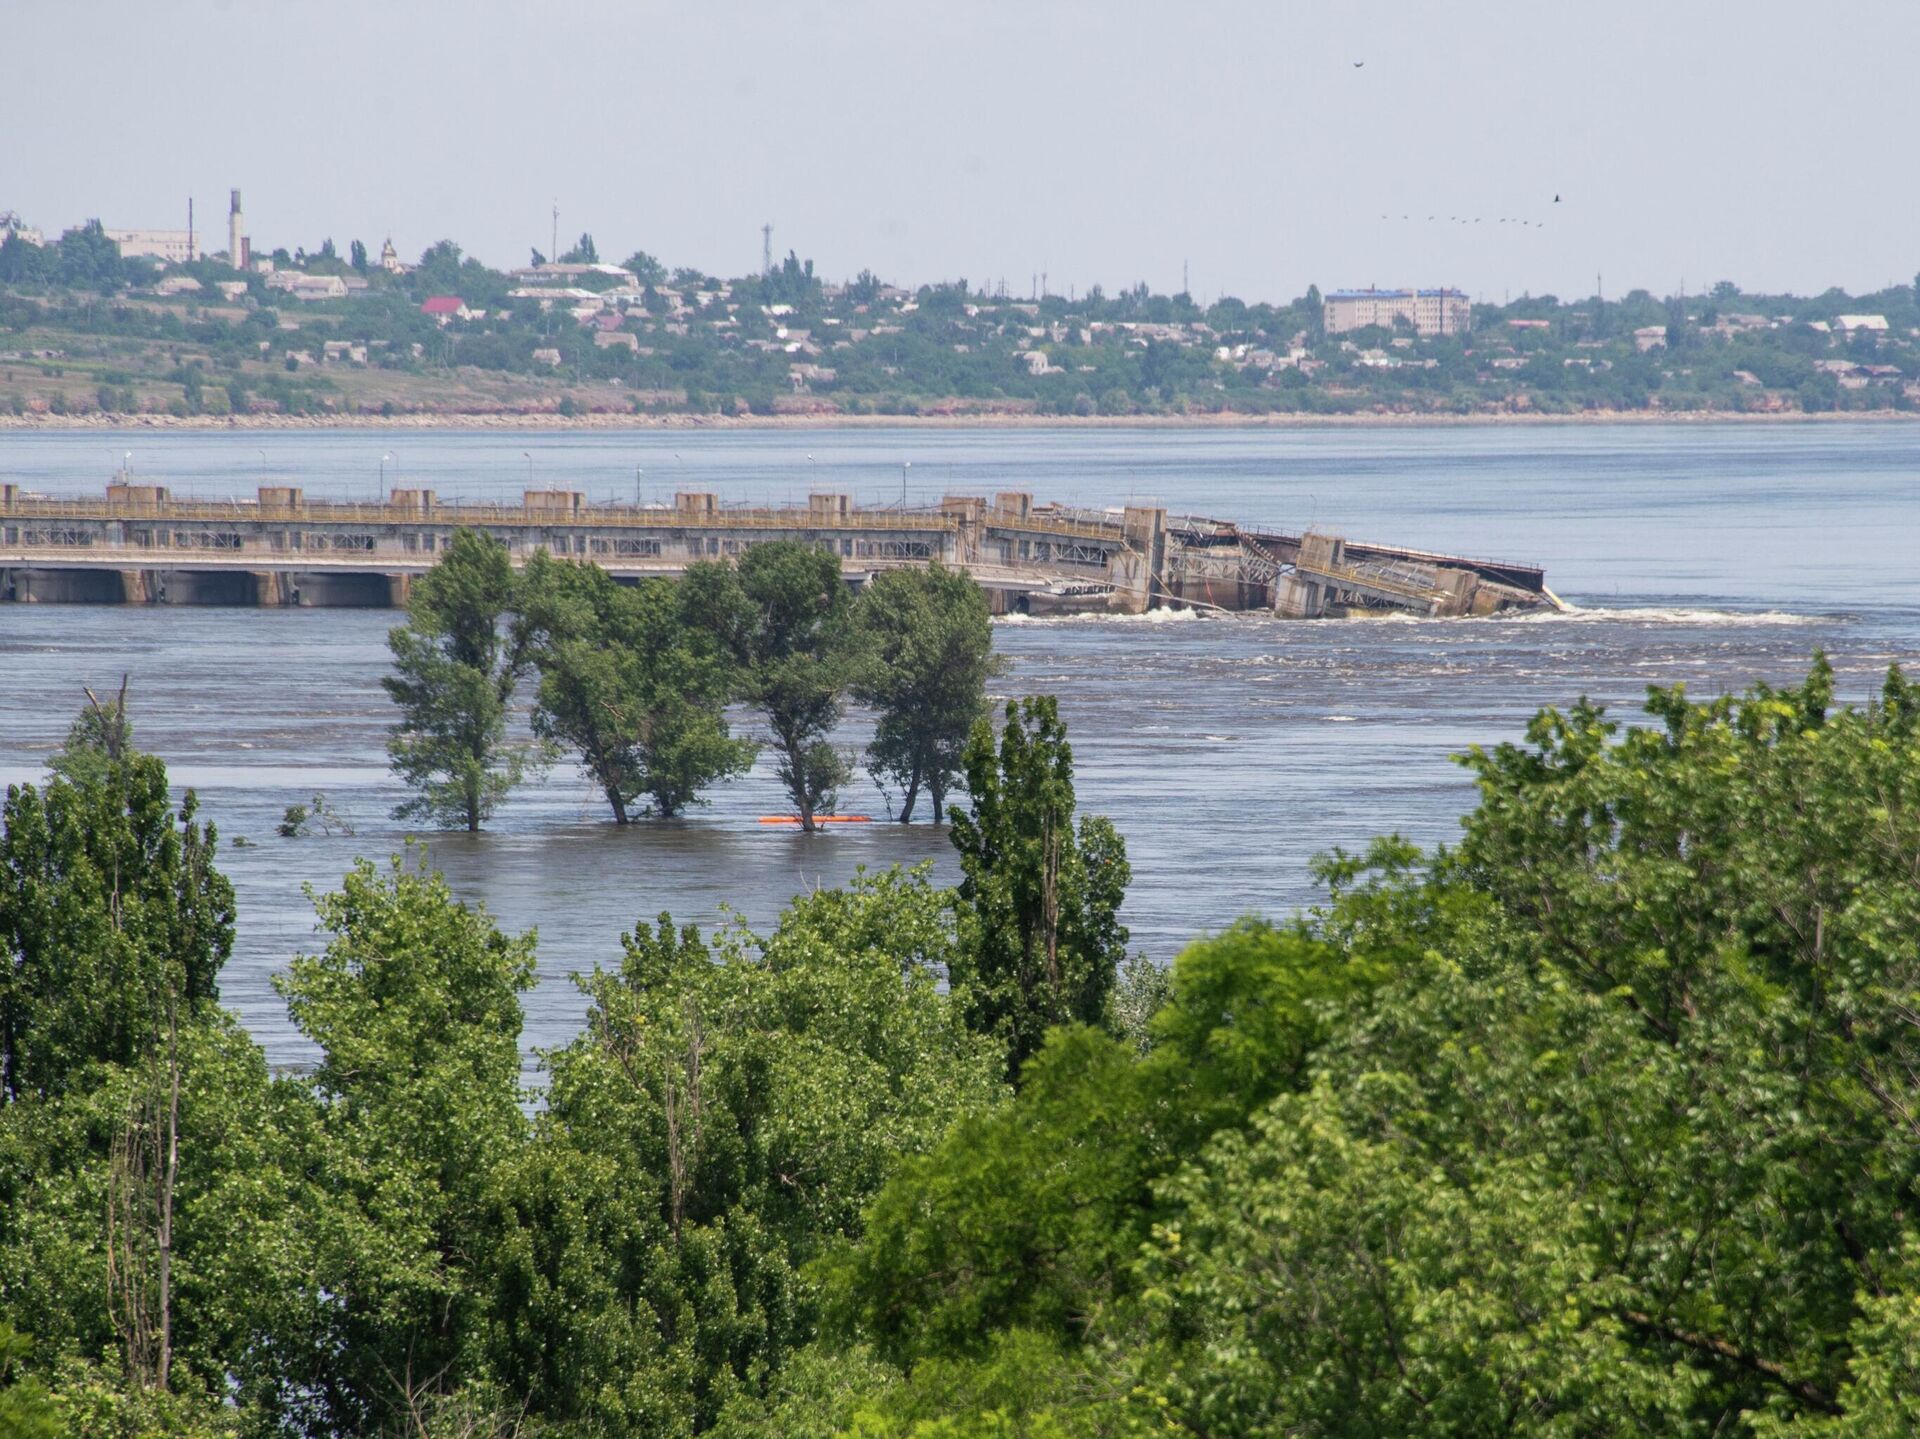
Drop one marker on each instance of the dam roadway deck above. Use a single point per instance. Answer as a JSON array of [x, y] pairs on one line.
[[137, 544]]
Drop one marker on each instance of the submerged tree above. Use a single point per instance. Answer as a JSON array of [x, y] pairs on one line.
[[627, 683], [1041, 939], [100, 737], [455, 673], [785, 615], [928, 656]]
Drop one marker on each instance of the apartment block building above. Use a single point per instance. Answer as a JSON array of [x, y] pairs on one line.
[[1429, 312]]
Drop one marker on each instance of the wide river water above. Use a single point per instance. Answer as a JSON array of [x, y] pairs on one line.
[[1229, 751]]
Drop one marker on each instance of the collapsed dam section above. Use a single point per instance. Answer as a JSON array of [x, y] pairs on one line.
[[137, 544]]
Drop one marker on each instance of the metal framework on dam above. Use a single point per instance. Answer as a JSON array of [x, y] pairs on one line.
[[139, 545]]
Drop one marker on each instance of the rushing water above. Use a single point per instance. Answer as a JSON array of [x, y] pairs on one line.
[[1229, 751]]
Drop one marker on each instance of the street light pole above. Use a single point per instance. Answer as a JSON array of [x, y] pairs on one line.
[[905, 465], [528, 457]]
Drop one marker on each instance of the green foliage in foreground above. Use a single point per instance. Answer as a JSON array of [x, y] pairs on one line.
[[1600, 1123], [1039, 902]]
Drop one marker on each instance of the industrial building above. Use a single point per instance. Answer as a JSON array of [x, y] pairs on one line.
[[176, 247], [1429, 312]]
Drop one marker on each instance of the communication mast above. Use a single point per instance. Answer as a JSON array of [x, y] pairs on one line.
[[766, 250]]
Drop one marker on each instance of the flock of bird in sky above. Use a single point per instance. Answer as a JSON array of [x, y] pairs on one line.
[[1461, 219], [1504, 220]]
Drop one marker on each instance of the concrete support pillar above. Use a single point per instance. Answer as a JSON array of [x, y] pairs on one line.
[[275, 589], [399, 590], [1145, 528], [969, 514], [1299, 598], [1132, 584]]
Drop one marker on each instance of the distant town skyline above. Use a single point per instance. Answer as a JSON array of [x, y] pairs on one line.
[[1245, 146]]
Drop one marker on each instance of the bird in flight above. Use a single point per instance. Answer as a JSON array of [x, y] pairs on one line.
[[1556, 199], [1358, 63]]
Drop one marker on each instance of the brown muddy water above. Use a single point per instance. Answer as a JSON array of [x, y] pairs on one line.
[[1228, 750]]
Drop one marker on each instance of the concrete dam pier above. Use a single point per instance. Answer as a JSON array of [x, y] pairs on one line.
[[137, 544]]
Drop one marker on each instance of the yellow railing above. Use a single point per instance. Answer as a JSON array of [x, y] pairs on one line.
[[609, 516], [347, 512]]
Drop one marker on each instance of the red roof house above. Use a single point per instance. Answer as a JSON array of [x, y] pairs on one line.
[[443, 306]]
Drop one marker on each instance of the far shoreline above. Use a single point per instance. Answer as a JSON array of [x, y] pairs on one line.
[[682, 423]]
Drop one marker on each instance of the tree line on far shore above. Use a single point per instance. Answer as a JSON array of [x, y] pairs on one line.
[[633, 680]]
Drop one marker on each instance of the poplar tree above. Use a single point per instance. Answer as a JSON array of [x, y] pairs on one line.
[[1040, 936], [114, 924]]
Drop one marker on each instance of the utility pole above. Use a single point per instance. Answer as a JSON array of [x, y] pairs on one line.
[[554, 253], [766, 250], [1185, 288]]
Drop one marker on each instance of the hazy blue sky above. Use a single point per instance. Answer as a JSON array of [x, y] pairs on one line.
[[1767, 142]]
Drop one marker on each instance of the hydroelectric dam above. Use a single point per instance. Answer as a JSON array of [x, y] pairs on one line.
[[137, 544]]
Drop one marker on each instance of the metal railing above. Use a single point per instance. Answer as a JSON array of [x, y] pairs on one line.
[[457, 513]]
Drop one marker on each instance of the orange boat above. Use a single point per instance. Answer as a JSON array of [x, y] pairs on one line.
[[818, 819]]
